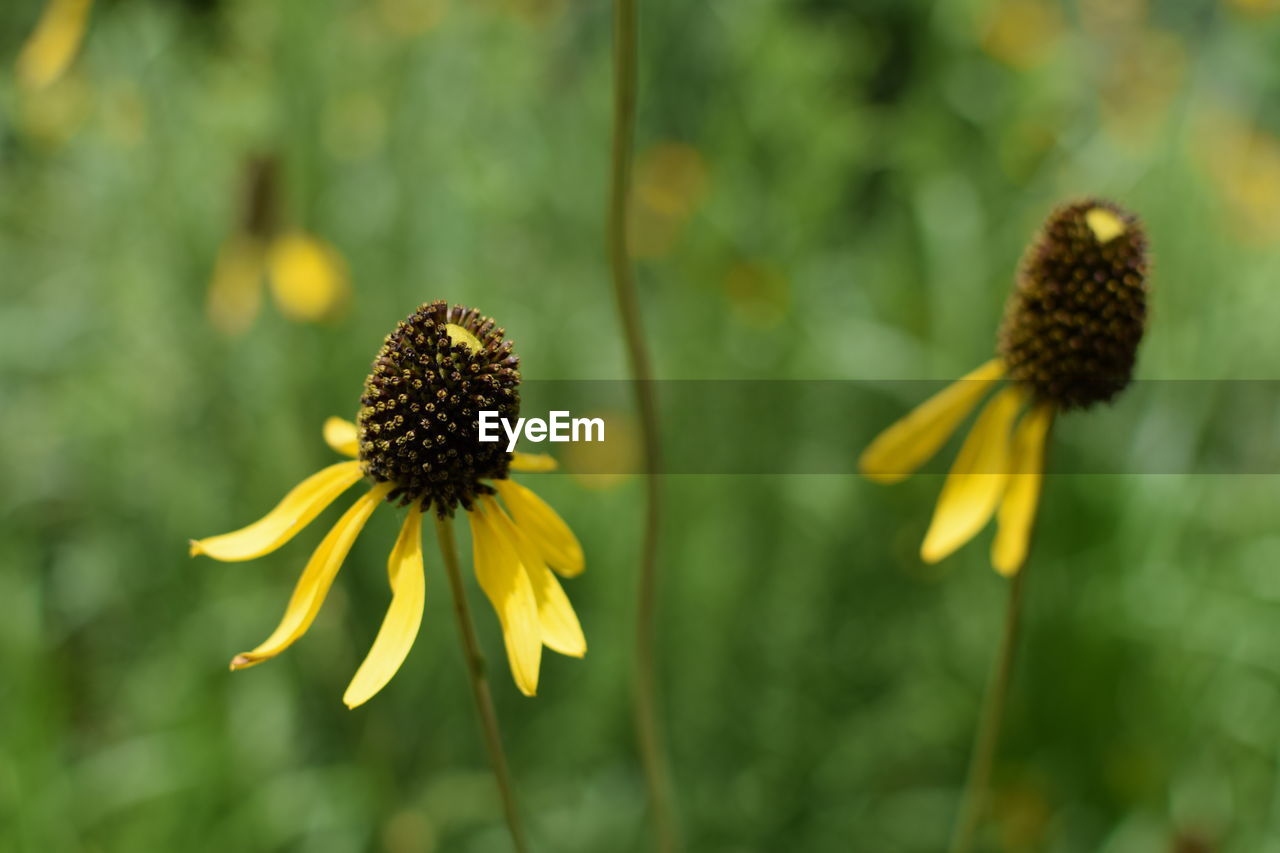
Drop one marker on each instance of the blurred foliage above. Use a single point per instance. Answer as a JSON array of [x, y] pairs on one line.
[[825, 190]]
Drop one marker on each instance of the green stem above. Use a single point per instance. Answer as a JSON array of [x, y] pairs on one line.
[[479, 685], [648, 729], [987, 739]]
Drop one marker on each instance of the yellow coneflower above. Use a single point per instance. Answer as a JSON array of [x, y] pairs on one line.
[[415, 440], [308, 278], [53, 44], [1069, 341]]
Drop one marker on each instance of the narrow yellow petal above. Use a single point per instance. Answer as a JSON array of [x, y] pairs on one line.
[[561, 631], [307, 500], [507, 586], [308, 277], [316, 579], [404, 617], [902, 448], [1017, 513], [235, 293], [977, 478], [342, 436], [54, 43], [544, 527], [533, 463]]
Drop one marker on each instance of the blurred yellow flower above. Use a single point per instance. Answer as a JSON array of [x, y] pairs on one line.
[[1140, 78], [1069, 341], [53, 44], [671, 180], [1256, 7], [603, 465], [411, 18], [440, 362], [1243, 162], [758, 294], [308, 278], [1022, 33]]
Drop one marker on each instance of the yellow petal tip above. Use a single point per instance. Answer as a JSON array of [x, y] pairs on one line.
[[1104, 224], [195, 549], [881, 478], [1006, 570], [931, 555], [241, 662]]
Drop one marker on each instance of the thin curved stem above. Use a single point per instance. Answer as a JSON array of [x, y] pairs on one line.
[[987, 738], [479, 685], [648, 729]]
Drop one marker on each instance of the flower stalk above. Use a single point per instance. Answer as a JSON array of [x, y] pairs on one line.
[[987, 736], [479, 684], [648, 729]]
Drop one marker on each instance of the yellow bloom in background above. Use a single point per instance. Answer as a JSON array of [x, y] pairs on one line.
[[53, 44], [671, 181], [1022, 33], [1069, 341], [1243, 162], [415, 441], [308, 278]]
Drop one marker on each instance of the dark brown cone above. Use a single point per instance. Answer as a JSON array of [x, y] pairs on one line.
[[1072, 325], [419, 411]]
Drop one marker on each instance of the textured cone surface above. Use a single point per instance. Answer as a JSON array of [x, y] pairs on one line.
[[1072, 326], [418, 415]]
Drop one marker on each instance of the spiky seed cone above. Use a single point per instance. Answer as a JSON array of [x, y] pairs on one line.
[[418, 414], [1073, 323]]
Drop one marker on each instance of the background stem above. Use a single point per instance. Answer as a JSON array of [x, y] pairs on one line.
[[987, 738], [648, 729], [479, 685]]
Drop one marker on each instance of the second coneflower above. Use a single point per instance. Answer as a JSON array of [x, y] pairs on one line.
[[1069, 341], [415, 440], [307, 277]]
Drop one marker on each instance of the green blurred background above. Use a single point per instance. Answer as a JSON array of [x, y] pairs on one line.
[[825, 190]]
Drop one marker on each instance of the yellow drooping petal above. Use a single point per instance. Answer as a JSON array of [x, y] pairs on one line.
[[308, 277], [342, 436], [902, 448], [561, 631], [404, 616], [54, 43], [533, 463], [977, 478], [307, 500], [544, 527], [235, 293], [316, 579], [1017, 513], [507, 586]]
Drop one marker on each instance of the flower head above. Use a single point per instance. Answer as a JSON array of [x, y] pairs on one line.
[[1069, 341], [1073, 324], [431, 378], [417, 443]]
